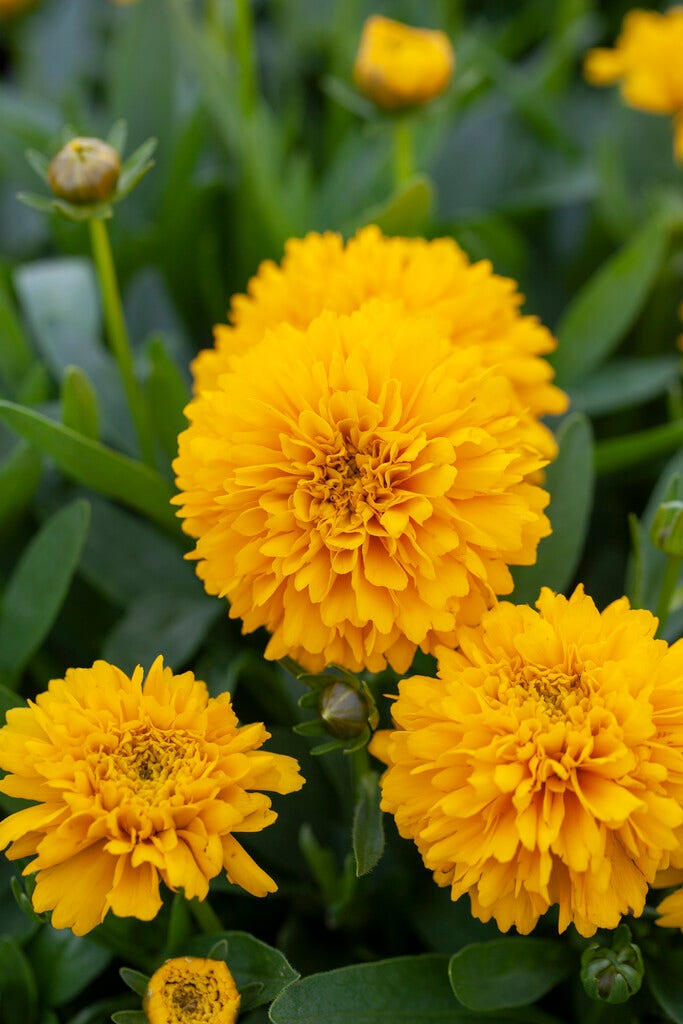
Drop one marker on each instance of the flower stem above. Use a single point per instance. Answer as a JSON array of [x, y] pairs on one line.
[[667, 591], [118, 336], [246, 55], [404, 155], [205, 916]]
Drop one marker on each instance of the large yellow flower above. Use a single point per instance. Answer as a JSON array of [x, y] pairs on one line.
[[647, 61], [400, 66], [359, 488], [134, 781], [545, 765], [472, 306]]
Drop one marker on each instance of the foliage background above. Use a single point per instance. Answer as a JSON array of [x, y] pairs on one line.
[[560, 185]]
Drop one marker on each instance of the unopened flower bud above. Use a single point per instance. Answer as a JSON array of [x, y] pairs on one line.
[[85, 171], [666, 532], [612, 974], [343, 710], [399, 66]]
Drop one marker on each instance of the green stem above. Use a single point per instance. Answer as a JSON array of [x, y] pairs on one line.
[[404, 156], [667, 591], [205, 916], [631, 449], [246, 55], [118, 336]]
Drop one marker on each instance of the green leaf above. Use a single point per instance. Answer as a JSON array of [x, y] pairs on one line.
[[19, 478], [39, 584], [129, 1017], [665, 978], [569, 479], [607, 306], [407, 212], [252, 963], [64, 963], [8, 699], [507, 972], [167, 395], [368, 826], [406, 990], [15, 352], [135, 980], [624, 383], [18, 991], [80, 411], [619, 453], [95, 465], [40, 163]]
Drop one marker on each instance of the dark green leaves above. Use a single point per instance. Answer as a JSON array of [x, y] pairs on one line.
[[18, 991], [368, 830], [38, 586], [260, 972], [64, 964], [507, 972], [665, 978]]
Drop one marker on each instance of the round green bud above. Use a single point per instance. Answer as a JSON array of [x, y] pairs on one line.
[[85, 171], [612, 975], [343, 710]]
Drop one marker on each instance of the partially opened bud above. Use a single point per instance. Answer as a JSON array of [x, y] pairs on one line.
[[189, 989], [85, 171], [398, 66]]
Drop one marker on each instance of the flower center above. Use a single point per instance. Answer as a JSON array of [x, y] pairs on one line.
[[194, 1002], [553, 689]]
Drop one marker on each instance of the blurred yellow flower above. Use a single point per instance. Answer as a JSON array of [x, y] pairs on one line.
[[359, 488], [647, 60], [134, 780], [545, 765], [14, 6], [473, 307], [399, 66], [191, 990]]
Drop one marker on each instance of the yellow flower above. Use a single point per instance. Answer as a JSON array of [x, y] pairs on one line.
[[473, 306], [399, 66], [134, 781], [190, 990], [359, 488], [545, 765], [647, 61], [8, 7]]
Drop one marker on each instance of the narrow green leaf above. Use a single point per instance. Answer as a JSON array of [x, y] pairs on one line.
[[631, 449], [624, 383], [80, 411], [607, 306], [64, 963], [569, 479], [15, 352], [18, 990], [129, 1017], [135, 980], [95, 465], [19, 478], [39, 163], [368, 826], [507, 972], [167, 395], [260, 971], [39, 584], [665, 978]]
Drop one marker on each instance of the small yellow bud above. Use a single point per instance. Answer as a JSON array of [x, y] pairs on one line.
[[189, 988], [399, 66], [85, 171]]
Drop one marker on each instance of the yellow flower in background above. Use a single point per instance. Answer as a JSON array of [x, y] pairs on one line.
[[648, 62], [399, 66], [135, 780], [14, 6], [191, 990], [359, 488], [472, 306], [545, 765]]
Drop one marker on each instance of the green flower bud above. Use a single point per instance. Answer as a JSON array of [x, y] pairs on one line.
[[666, 532], [343, 710], [612, 975], [85, 171]]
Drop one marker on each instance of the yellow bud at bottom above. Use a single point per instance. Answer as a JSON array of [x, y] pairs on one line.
[[191, 990]]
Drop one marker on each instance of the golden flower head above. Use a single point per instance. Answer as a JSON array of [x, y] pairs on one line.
[[399, 66], [473, 307], [545, 765], [359, 488], [191, 990], [647, 61], [85, 171], [135, 779]]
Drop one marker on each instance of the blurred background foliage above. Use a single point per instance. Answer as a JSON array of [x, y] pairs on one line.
[[558, 184]]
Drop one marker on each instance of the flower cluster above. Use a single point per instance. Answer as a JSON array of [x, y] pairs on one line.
[[647, 61], [545, 765], [136, 780]]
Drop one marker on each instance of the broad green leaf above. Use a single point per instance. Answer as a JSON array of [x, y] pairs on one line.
[[64, 963], [665, 978], [19, 478], [508, 972], [569, 479], [167, 395], [252, 963], [607, 306], [18, 991], [162, 622], [406, 990], [624, 383], [15, 352], [407, 212], [95, 465], [80, 410], [38, 586], [368, 828]]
